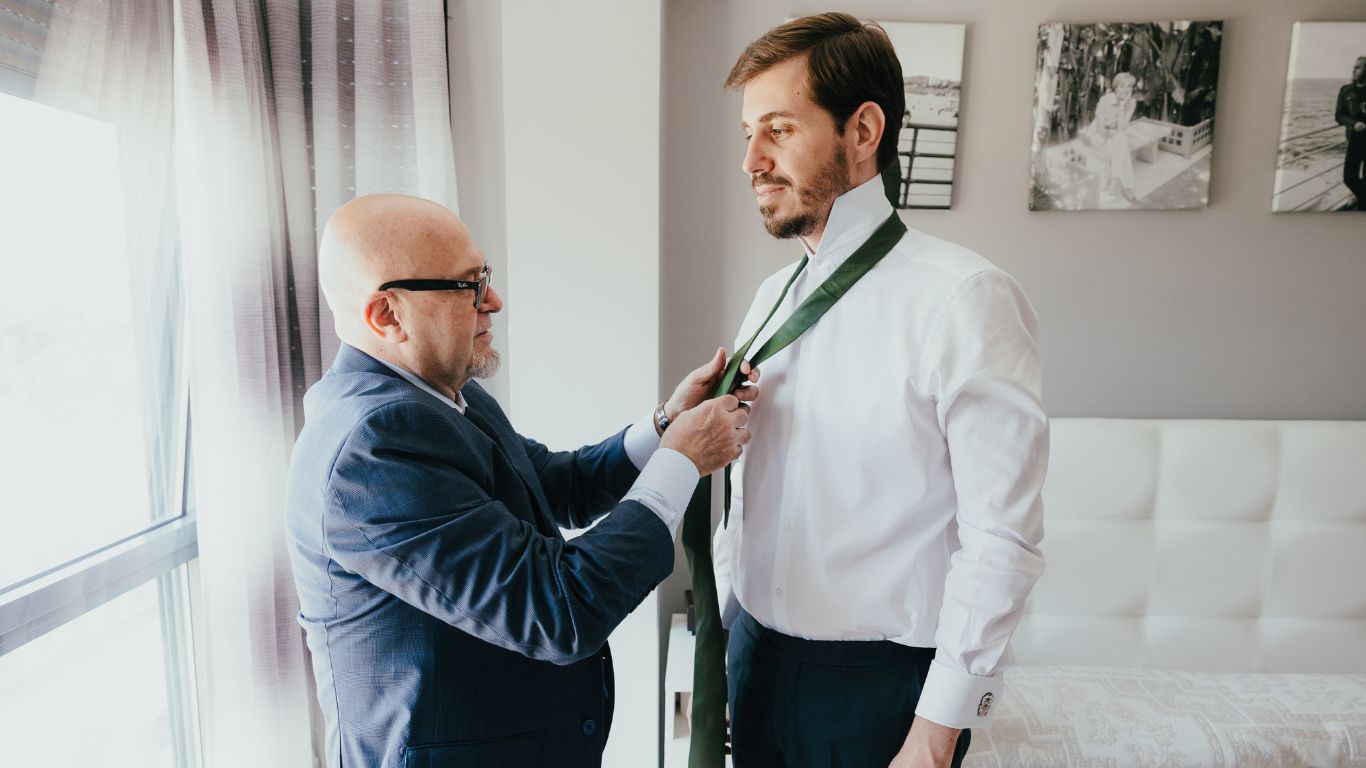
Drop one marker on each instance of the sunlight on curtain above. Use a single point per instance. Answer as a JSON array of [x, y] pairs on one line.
[[282, 114], [113, 62], [245, 370], [89, 228], [60, 167]]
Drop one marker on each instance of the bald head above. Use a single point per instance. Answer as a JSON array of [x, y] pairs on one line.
[[442, 334], [377, 238]]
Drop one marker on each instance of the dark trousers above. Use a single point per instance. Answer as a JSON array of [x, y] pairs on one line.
[[1353, 170], [821, 704]]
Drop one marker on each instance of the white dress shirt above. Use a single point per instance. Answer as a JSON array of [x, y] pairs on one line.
[[891, 487], [667, 478]]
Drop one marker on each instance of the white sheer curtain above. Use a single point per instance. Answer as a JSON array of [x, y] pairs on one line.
[[248, 358], [283, 111], [112, 62]]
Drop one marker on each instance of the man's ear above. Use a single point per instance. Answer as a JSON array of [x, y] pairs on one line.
[[381, 316], [867, 124]]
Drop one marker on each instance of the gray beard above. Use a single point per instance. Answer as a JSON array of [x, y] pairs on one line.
[[483, 366]]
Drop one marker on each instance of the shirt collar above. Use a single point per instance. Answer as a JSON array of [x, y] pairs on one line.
[[853, 218], [458, 403]]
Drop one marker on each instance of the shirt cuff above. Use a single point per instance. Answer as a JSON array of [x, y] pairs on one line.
[[665, 486], [641, 440], [956, 699]]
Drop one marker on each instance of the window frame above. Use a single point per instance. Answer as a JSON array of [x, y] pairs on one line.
[[42, 602], [164, 551]]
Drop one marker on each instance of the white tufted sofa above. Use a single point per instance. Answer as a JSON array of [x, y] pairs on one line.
[[1204, 601]]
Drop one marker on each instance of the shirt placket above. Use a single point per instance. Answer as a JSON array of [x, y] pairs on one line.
[[793, 504]]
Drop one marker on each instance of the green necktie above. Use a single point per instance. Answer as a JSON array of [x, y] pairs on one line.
[[708, 738]]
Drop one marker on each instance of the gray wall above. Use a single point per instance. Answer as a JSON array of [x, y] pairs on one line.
[[1228, 312], [553, 192], [474, 54]]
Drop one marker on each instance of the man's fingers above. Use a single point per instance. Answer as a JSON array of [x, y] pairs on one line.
[[728, 403], [714, 366], [709, 370]]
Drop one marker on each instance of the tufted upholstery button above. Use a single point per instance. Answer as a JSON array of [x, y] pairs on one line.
[[590, 727], [1202, 544]]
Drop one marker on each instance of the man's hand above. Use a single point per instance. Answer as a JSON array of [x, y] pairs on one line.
[[928, 745], [699, 385], [710, 435]]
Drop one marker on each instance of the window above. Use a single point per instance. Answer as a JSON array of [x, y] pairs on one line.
[[110, 674], [93, 459]]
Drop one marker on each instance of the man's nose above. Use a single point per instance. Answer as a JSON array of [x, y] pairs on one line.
[[492, 301], [756, 158]]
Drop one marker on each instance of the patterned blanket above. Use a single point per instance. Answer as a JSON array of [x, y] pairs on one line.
[[1109, 716]]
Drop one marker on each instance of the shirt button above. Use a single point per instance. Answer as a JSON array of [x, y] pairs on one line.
[[787, 526], [590, 727], [778, 591]]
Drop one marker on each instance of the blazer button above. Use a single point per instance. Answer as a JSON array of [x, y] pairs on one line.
[[590, 727]]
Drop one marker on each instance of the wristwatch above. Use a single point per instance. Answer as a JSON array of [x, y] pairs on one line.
[[661, 420]]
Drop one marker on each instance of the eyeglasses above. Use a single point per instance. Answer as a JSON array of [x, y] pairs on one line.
[[480, 287]]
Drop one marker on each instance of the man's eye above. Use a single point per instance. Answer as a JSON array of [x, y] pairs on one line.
[[776, 132]]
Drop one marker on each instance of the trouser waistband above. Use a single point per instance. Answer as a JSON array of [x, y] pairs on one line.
[[840, 653]]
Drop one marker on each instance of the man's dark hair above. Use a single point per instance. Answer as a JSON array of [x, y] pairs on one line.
[[848, 62]]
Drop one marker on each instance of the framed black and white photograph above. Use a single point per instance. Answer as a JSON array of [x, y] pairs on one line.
[[931, 57], [1124, 115], [1321, 158]]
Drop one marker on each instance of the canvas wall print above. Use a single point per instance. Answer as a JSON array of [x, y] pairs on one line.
[[931, 57], [1124, 115], [1321, 159]]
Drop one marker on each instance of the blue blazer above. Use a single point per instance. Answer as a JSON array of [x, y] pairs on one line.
[[449, 622]]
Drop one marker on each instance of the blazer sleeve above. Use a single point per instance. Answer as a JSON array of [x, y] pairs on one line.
[[582, 485], [420, 523]]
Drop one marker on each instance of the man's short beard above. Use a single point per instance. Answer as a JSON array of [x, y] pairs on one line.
[[483, 365], [815, 199]]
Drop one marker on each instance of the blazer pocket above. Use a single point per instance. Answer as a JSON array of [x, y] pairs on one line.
[[520, 751]]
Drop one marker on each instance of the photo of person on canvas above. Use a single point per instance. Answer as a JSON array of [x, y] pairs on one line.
[[1351, 114], [1108, 132]]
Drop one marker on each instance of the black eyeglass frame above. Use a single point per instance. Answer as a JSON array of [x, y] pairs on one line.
[[480, 286]]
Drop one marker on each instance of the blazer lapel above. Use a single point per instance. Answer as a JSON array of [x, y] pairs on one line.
[[511, 450]]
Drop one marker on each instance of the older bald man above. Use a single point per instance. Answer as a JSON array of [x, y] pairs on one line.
[[449, 621]]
